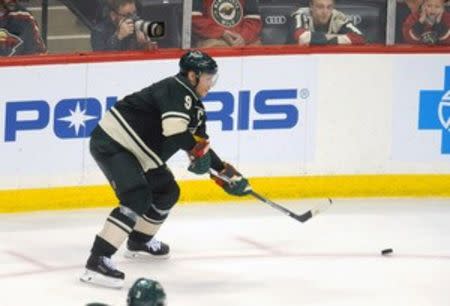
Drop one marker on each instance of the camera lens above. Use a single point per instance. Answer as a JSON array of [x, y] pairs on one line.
[[153, 29], [156, 29]]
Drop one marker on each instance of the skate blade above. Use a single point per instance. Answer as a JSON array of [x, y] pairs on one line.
[[141, 255], [98, 279]]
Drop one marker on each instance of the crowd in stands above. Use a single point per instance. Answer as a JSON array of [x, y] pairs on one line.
[[237, 23]]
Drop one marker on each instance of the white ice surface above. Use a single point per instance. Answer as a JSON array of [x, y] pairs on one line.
[[245, 254]]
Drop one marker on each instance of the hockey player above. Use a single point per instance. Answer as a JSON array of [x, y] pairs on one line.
[[322, 24], [131, 145]]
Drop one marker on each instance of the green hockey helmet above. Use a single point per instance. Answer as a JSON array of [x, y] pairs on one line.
[[197, 61], [146, 292]]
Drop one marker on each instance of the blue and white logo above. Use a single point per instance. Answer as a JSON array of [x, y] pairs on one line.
[[434, 111], [74, 118], [77, 117]]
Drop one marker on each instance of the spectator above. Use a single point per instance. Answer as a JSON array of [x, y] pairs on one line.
[[226, 23], [321, 24], [117, 31], [403, 10], [430, 25], [19, 32]]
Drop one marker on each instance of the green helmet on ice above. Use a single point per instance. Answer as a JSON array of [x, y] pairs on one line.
[[146, 292]]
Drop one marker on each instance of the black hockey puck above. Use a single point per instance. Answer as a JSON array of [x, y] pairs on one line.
[[387, 252]]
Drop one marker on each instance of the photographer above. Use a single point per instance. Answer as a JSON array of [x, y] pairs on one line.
[[118, 32]]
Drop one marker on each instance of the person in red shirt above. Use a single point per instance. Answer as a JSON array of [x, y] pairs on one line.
[[430, 25], [225, 23], [19, 32]]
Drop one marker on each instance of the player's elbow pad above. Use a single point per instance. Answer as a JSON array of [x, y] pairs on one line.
[[174, 125]]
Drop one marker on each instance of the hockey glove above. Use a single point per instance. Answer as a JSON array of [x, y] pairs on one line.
[[232, 181], [200, 157]]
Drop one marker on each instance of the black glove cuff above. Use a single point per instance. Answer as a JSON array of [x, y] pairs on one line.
[[216, 162]]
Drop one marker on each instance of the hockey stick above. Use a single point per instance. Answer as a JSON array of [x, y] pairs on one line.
[[299, 217]]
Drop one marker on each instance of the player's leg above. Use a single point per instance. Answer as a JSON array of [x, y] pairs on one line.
[[127, 178], [165, 193]]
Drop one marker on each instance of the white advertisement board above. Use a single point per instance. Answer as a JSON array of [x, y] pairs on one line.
[[278, 115], [261, 116]]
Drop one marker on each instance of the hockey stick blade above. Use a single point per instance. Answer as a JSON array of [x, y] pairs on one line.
[[299, 217]]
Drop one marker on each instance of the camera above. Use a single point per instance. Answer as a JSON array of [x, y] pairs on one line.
[[152, 29]]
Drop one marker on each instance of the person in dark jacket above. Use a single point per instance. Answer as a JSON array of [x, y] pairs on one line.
[[117, 31]]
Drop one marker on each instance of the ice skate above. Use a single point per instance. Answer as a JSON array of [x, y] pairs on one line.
[[151, 249], [101, 271]]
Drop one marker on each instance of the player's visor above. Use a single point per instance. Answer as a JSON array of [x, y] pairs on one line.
[[210, 79]]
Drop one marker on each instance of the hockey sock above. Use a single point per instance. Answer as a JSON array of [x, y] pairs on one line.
[[116, 229], [146, 228]]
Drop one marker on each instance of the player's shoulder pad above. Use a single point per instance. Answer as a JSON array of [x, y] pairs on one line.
[[181, 88], [182, 95]]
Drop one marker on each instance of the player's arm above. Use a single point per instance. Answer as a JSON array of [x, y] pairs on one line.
[[200, 134], [175, 121], [231, 180], [175, 128]]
